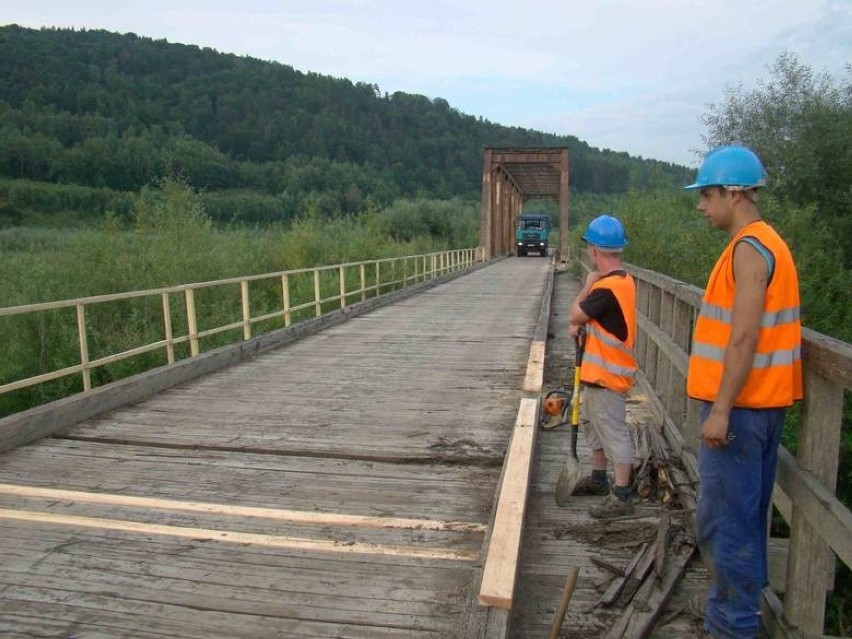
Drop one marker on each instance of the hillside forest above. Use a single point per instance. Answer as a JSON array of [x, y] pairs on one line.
[[130, 163], [262, 141]]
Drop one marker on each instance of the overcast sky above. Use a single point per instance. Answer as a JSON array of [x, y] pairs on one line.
[[631, 76]]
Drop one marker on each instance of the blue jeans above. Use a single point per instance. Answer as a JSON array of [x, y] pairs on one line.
[[734, 494]]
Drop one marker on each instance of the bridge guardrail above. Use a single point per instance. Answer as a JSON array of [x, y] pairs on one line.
[[266, 301], [820, 525]]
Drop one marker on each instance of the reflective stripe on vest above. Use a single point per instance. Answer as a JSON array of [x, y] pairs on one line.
[[624, 371], [775, 379], [761, 360], [767, 320]]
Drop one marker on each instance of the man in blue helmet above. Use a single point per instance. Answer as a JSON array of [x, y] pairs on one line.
[[606, 308], [745, 368]]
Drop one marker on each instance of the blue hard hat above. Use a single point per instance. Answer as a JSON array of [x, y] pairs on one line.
[[606, 232], [730, 165]]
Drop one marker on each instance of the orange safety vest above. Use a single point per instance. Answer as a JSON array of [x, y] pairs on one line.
[[607, 361], [775, 379]]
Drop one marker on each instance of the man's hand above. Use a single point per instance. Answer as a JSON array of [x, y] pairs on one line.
[[591, 278], [714, 430], [576, 317]]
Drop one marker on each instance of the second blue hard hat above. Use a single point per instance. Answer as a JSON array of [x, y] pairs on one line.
[[730, 165], [606, 232]]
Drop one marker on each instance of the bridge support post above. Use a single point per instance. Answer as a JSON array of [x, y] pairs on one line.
[[811, 563]]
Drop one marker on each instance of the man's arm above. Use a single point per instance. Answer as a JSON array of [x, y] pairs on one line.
[[750, 273], [576, 316]]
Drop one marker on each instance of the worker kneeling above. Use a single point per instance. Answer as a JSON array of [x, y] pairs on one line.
[[606, 309]]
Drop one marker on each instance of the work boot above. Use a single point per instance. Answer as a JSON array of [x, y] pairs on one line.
[[612, 507], [589, 485]]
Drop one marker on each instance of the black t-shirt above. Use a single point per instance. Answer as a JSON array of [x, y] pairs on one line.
[[602, 305]]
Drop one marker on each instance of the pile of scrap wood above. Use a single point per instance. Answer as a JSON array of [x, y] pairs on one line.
[[664, 543], [643, 589], [661, 477]]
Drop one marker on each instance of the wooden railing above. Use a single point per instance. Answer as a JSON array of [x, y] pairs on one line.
[[182, 321], [820, 526]]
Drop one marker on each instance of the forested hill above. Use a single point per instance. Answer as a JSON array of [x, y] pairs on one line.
[[101, 109]]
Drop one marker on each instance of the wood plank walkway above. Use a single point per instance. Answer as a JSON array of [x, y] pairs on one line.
[[337, 487]]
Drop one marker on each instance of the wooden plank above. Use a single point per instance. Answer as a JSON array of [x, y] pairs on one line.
[[234, 537], [535, 368], [827, 357], [662, 543], [613, 592], [817, 504], [331, 519], [501, 563], [637, 577]]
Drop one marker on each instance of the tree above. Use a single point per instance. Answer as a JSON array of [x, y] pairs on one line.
[[800, 123]]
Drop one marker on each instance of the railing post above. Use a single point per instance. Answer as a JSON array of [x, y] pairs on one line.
[[285, 298], [363, 282], [810, 563], [642, 299], [84, 347], [342, 288], [191, 324], [681, 411], [652, 354], [665, 367], [244, 294], [378, 279], [317, 292], [167, 325]]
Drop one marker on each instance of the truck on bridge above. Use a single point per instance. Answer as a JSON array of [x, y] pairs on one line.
[[532, 234]]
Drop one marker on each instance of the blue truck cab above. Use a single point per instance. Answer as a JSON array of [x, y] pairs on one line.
[[532, 234]]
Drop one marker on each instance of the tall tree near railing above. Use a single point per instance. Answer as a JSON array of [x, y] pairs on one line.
[[800, 123]]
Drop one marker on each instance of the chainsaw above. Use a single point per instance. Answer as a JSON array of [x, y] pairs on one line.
[[556, 408]]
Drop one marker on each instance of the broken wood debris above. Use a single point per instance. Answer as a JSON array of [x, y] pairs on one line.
[[660, 477], [665, 544], [662, 543], [641, 614], [617, 586]]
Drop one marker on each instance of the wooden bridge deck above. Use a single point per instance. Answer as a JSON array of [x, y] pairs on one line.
[[341, 486]]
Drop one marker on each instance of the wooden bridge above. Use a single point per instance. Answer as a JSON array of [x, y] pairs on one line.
[[363, 461]]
